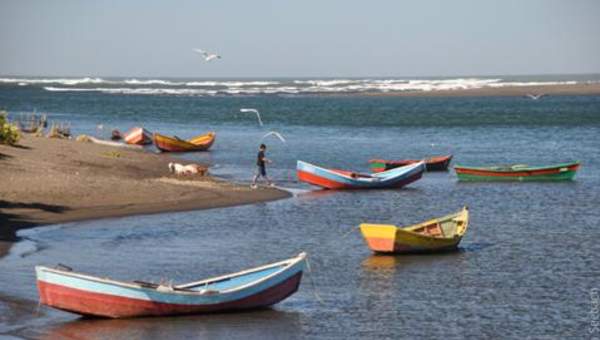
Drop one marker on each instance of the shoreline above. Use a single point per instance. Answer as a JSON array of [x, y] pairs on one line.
[[49, 181], [586, 89]]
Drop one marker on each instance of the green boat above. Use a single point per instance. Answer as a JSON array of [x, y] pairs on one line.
[[518, 172]]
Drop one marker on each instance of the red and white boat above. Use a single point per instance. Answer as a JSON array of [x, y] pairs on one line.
[[343, 179], [138, 136]]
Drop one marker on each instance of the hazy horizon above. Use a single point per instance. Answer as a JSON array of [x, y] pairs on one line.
[[266, 39], [457, 76]]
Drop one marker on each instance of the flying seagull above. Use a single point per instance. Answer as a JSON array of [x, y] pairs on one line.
[[208, 56], [274, 133], [257, 114], [535, 96]]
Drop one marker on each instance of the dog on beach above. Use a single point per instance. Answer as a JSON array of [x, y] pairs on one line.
[[190, 169]]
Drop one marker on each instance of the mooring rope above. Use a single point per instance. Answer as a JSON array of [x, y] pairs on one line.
[[310, 271], [312, 282]]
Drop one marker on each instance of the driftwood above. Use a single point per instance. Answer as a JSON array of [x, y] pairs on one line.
[[86, 138]]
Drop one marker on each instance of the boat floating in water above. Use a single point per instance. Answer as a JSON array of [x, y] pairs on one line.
[[518, 172], [438, 234], [436, 163], [138, 136], [175, 144], [342, 179], [88, 295]]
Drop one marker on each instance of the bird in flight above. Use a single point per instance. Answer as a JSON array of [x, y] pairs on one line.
[[255, 111], [274, 133], [535, 96], [208, 56]]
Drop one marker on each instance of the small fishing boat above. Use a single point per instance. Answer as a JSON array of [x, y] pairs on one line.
[[436, 163], [88, 295], [175, 144], [518, 172], [439, 234], [342, 179], [138, 136]]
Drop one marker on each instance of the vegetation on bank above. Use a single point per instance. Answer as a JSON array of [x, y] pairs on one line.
[[9, 133]]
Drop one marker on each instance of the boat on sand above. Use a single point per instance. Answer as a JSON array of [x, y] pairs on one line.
[[175, 144], [88, 295], [138, 136]]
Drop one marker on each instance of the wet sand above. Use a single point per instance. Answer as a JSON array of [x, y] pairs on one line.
[[46, 181], [556, 90]]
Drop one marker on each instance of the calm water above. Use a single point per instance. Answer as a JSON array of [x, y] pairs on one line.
[[526, 268]]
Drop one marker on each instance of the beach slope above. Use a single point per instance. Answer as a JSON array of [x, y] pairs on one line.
[[45, 181]]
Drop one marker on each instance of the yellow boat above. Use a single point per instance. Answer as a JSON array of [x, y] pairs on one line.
[[438, 234], [174, 144]]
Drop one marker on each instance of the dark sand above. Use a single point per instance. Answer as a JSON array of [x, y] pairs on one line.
[[46, 181]]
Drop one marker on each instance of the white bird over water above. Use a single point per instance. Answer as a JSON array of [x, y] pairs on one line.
[[535, 96], [208, 56], [274, 133], [254, 111]]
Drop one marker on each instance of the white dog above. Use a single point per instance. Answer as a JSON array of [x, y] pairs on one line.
[[180, 169]]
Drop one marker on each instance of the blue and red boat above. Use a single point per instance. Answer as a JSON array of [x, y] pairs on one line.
[[88, 295], [342, 179]]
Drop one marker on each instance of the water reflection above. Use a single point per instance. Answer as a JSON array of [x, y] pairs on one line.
[[259, 324]]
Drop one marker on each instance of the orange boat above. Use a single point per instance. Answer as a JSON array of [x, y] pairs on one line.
[[175, 144]]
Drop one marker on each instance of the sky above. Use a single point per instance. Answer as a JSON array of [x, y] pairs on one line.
[[309, 38]]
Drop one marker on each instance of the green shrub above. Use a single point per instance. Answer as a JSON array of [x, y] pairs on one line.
[[9, 133]]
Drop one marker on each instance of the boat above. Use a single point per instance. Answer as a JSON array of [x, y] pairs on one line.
[[175, 144], [438, 234], [138, 136], [88, 295], [518, 172], [342, 179], [436, 163]]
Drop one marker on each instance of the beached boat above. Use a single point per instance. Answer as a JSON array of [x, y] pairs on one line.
[[83, 294], [439, 234], [342, 179], [138, 136], [519, 172], [437, 163], [174, 144]]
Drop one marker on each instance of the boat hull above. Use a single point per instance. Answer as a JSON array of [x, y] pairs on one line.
[[561, 172], [393, 242], [339, 180], [440, 163], [138, 136], [105, 305], [383, 238], [103, 297], [170, 144]]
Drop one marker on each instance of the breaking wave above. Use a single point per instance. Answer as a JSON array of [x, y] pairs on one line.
[[279, 86]]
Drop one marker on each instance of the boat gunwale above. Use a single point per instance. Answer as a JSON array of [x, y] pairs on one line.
[[409, 229], [366, 178], [491, 169], [186, 143], [430, 160], [182, 289]]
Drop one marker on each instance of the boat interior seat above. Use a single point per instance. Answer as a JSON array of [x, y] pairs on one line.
[[449, 227], [431, 230]]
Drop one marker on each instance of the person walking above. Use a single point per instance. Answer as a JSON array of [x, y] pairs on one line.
[[261, 162]]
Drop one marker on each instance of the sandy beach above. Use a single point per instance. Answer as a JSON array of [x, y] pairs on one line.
[[583, 89], [47, 181]]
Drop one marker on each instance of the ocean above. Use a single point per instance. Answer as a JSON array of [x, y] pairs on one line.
[[526, 268]]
